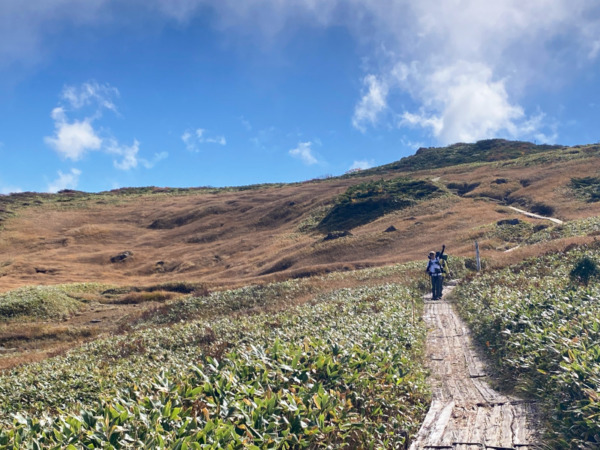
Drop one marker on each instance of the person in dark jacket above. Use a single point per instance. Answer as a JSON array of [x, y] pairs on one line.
[[435, 271]]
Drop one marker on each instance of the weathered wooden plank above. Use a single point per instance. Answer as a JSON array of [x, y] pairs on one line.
[[488, 395], [430, 419], [466, 413], [438, 428], [523, 435]]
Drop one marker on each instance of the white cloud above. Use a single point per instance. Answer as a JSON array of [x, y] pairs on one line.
[[304, 153], [129, 158], [464, 71], [362, 164], [265, 138], [193, 140], [157, 158], [462, 103], [72, 139], [128, 154], [372, 104], [526, 46], [65, 181], [91, 93], [203, 139]]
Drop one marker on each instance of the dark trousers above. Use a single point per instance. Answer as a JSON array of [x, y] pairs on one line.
[[436, 286]]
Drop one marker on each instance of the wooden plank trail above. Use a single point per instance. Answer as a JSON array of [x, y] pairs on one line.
[[466, 413]]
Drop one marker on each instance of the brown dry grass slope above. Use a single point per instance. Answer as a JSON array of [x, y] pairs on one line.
[[240, 236], [141, 238]]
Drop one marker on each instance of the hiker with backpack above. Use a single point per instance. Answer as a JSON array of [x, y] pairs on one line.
[[435, 269]]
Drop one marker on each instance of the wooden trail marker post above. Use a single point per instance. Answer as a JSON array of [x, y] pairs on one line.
[[477, 259]]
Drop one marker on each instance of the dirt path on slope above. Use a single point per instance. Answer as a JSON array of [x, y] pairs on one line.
[[537, 216], [465, 413]]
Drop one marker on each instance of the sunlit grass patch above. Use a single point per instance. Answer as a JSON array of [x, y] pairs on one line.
[[42, 302]]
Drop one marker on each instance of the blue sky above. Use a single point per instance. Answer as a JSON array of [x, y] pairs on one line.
[[102, 94]]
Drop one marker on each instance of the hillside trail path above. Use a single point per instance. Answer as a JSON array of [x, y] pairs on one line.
[[537, 216], [465, 412]]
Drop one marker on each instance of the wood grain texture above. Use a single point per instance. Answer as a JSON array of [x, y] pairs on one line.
[[466, 413]]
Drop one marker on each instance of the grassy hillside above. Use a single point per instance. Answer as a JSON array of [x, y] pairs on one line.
[[340, 367], [266, 232], [289, 314], [480, 152]]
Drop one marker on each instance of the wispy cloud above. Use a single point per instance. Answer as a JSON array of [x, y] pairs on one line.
[[75, 137], [149, 164], [129, 158], [265, 138], [91, 93], [68, 180], [127, 153], [246, 123], [304, 153], [372, 103], [193, 139]]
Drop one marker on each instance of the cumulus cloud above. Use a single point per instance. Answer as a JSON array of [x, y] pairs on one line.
[[74, 137], [128, 157], [464, 103], [193, 139], [68, 180], [304, 153], [246, 123], [513, 43], [465, 70]]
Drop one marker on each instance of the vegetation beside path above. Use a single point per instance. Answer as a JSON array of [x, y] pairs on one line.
[[539, 322], [340, 369]]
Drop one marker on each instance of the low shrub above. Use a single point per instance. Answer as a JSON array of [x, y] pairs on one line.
[[584, 270], [365, 202], [343, 371], [462, 188], [542, 334], [587, 188]]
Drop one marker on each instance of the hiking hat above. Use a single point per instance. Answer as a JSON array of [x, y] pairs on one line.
[[431, 253]]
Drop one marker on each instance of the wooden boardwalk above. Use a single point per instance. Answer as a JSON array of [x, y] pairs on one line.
[[465, 413]]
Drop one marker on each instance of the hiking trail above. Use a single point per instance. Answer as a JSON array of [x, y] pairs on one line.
[[465, 412], [537, 216]]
